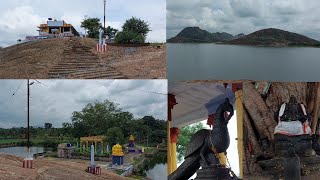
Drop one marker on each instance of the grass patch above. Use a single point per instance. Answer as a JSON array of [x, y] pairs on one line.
[[155, 44], [149, 149], [137, 161], [137, 177], [11, 141], [45, 142], [119, 172]]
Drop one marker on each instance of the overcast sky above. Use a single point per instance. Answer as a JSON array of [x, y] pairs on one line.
[[55, 102], [244, 16], [19, 18]]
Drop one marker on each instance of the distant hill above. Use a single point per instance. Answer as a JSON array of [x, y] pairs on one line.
[[192, 34], [275, 37], [195, 34], [239, 36]]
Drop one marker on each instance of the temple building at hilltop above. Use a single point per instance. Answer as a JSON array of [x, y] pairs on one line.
[[57, 28]]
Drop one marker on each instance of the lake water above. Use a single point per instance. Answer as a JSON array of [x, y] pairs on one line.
[[22, 151], [230, 62]]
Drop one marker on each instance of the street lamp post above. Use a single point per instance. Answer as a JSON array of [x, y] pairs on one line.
[[28, 142], [104, 24], [27, 162]]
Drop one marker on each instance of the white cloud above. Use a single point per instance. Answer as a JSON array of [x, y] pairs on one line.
[[244, 16], [56, 102], [19, 18], [16, 23]]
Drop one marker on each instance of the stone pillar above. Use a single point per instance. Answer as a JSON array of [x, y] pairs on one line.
[[102, 147], [80, 146], [95, 146]]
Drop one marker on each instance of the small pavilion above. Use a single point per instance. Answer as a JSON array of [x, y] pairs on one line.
[[96, 140]]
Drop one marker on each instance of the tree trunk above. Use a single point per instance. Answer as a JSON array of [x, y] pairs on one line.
[[261, 112]]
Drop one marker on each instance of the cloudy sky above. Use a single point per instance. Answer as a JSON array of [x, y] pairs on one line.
[[19, 18], [244, 16], [54, 100]]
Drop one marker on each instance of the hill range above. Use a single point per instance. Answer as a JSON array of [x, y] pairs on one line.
[[264, 37]]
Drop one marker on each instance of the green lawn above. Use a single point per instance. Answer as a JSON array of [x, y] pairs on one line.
[[149, 149], [11, 141], [49, 141]]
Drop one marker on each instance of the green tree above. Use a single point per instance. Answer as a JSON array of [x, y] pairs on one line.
[[184, 138], [136, 25], [67, 128], [128, 37], [47, 126], [92, 25], [134, 30], [96, 118], [115, 135], [111, 32]]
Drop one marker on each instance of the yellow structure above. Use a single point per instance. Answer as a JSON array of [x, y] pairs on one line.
[[131, 138], [239, 110], [87, 141], [172, 149], [117, 150], [55, 27], [170, 152], [222, 158]]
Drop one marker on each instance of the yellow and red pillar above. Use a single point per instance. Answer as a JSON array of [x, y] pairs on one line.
[[172, 137]]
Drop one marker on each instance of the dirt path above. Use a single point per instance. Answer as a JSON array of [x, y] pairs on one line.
[[128, 158], [50, 168], [80, 63]]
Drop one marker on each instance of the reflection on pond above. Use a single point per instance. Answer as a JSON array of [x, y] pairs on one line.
[[156, 167], [159, 172], [22, 151]]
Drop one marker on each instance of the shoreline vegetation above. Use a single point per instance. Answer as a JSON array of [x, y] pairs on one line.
[[270, 37]]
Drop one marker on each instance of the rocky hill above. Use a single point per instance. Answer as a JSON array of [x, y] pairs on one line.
[[77, 58], [192, 34], [275, 37], [195, 34]]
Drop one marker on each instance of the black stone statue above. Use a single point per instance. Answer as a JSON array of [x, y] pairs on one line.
[[293, 111], [200, 149]]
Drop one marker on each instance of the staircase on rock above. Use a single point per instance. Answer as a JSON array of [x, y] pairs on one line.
[[80, 63]]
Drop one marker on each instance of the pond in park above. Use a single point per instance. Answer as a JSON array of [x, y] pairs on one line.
[[156, 168], [22, 151]]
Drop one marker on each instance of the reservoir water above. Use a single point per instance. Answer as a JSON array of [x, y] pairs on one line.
[[191, 61], [22, 151]]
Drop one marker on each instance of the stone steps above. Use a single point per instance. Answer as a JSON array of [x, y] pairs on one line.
[[97, 74], [80, 63]]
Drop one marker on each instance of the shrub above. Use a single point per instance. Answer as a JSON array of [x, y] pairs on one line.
[[129, 37]]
